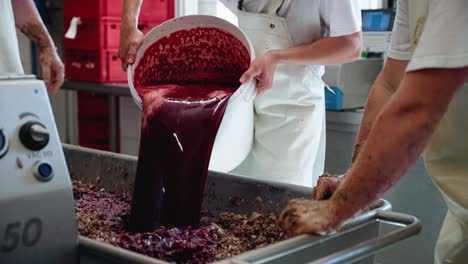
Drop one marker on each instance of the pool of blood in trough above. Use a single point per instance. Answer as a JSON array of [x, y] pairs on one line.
[[185, 81]]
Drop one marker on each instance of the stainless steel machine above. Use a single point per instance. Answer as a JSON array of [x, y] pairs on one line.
[[37, 219], [37, 222]]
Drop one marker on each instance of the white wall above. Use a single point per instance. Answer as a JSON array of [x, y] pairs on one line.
[[216, 8]]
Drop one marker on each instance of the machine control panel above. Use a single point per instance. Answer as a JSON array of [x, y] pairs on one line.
[[34, 135], [3, 144]]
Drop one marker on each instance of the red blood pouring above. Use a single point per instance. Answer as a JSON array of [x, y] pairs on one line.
[[185, 81]]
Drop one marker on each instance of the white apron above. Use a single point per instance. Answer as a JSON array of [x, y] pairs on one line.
[[289, 143], [10, 61], [446, 159]]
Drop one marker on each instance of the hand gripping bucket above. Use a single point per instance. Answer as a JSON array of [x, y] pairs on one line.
[[235, 134]]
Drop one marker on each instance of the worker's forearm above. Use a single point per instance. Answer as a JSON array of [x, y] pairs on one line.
[[397, 138], [384, 87], [377, 99], [29, 22], [327, 51], [130, 12]]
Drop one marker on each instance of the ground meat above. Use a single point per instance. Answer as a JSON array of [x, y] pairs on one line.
[[193, 56], [246, 232], [103, 216], [327, 184]]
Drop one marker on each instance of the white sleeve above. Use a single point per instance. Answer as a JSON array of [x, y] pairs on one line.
[[342, 17], [444, 40], [400, 46], [231, 5]]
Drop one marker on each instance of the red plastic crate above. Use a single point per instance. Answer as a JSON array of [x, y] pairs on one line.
[[96, 105], [101, 33], [94, 125], [93, 129], [151, 9], [94, 66], [93, 134], [92, 8], [93, 120], [157, 9]]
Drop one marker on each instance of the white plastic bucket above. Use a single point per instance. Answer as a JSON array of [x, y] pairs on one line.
[[235, 134]]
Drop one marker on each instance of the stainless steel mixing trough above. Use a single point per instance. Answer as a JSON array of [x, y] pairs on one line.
[[356, 243]]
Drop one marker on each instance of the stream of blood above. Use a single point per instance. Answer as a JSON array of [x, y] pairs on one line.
[[185, 81]]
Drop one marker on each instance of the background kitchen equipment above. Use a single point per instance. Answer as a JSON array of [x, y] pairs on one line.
[[351, 83], [377, 27]]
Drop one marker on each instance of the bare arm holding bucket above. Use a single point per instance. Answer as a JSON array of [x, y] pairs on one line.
[[326, 51], [131, 38]]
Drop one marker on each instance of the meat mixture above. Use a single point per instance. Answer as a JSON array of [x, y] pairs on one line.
[[103, 216]]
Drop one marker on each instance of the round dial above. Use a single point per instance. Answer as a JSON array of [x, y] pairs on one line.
[[34, 135]]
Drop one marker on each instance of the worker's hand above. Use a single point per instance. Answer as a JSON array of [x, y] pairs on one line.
[[52, 69], [326, 186], [131, 40], [262, 69], [303, 216]]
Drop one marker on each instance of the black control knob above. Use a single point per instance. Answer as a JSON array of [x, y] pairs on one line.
[[3, 144], [34, 135]]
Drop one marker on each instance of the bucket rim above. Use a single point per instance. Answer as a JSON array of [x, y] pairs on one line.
[[191, 18]]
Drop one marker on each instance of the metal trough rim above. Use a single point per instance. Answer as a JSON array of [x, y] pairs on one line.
[[409, 226]]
